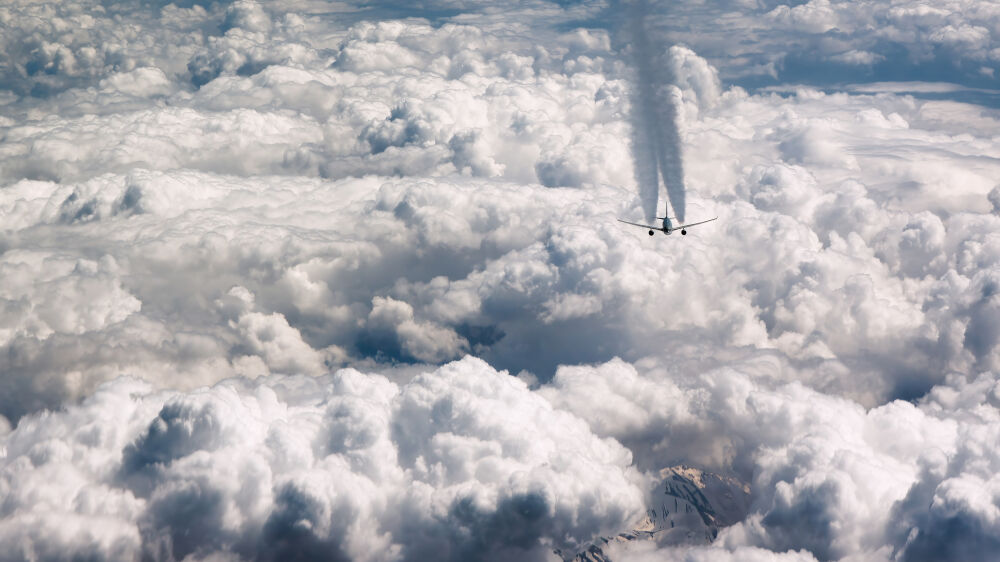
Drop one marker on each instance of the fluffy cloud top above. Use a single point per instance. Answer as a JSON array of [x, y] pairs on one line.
[[456, 463]]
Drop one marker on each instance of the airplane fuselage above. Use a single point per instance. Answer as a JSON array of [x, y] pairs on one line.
[[667, 228]]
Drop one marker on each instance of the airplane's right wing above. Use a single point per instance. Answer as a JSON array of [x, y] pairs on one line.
[[642, 225]]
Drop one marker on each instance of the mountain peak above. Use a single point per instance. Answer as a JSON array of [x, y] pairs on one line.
[[687, 506]]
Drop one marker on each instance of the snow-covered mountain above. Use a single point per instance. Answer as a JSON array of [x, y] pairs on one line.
[[688, 506]]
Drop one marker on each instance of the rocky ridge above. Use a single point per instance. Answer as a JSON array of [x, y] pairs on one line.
[[688, 506]]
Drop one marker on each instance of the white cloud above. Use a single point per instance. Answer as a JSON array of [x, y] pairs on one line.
[[643, 552], [48, 294], [815, 16], [858, 57]]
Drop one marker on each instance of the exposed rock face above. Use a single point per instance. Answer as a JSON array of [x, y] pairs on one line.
[[687, 506]]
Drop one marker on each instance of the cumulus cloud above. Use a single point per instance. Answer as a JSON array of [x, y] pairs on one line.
[[458, 462], [238, 241]]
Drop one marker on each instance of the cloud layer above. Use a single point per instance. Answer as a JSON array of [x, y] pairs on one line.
[[322, 280], [825, 42]]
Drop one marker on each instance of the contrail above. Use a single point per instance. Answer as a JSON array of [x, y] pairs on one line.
[[656, 143]]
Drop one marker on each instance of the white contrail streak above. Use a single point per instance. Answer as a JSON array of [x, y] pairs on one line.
[[656, 144]]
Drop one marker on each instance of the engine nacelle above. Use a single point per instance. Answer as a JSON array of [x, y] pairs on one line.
[[650, 232], [684, 232]]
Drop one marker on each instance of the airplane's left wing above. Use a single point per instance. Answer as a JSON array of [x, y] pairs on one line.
[[642, 225], [693, 223]]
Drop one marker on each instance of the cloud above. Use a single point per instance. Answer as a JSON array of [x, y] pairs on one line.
[[53, 48], [459, 461], [642, 552]]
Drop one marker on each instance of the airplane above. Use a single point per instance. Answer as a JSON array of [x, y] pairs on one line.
[[667, 228]]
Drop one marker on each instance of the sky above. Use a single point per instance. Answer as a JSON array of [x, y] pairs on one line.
[[321, 280]]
